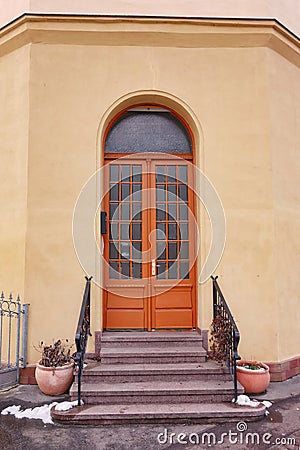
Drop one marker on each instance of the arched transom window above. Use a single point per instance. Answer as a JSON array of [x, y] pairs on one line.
[[148, 129]]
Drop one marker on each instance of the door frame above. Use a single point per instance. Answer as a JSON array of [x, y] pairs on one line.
[[109, 157]]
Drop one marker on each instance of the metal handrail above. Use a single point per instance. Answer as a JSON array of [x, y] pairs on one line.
[[221, 309], [82, 333]]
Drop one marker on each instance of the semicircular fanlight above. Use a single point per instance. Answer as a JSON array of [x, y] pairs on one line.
[[148, 131]]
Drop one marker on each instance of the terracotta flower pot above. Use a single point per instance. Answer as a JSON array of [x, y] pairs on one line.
[[253, 381], [54, 380]]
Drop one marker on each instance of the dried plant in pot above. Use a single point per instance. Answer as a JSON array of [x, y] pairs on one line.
[[254, 376], [218, 340], [55, 371]]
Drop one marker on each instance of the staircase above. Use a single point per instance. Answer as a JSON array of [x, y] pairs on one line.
[[158, 377]]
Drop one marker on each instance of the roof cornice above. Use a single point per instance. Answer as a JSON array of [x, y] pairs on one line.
[[184, 32]]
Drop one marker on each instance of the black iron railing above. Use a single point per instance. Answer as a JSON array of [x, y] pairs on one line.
[[227, 333], [82, 333]]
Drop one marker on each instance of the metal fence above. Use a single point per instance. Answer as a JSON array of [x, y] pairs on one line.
[[13, 339]]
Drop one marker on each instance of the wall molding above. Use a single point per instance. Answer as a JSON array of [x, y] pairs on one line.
[[149, 31]]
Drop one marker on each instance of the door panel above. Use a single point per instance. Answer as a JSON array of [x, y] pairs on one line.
[[181, 298], [164, 319], [126, 276], [125, 319], [150, 246], [173, 199]]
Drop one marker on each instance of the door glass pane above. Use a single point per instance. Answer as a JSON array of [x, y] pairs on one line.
[[184, 250], [184, 233], [160, 174], [136, 250], [125, 210], [125, 191], [114, 192], [184, 270], [125, 250], [160, 212], [136, 174], [114, 231], [125, 170], [125, 270], [183, 211], [172, 231], [125, 231], [161, 270], [113, 250], [161, 250], [161, 230], [161, 193], [136, 192], [136, 270], [113, 270], [173, 270], [171, 174], [182, 174], [114, 172], [172, 210], [136, 211], [172, 192], [113, 211], [136, 231], [183, 192], [172, 250]]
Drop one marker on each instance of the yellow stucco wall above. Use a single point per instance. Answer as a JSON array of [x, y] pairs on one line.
[[246, 112], [285, 123], [14, 120]]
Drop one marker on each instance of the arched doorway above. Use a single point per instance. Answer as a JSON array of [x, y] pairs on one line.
[[150, 246]]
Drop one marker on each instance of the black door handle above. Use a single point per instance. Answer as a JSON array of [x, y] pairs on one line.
[[103, 222]]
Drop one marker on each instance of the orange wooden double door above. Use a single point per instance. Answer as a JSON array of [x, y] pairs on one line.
[[150, 245]]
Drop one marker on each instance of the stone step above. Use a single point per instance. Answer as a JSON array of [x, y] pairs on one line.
[[153, 339], [210, 370], [159, 413], [153, 355], [156, 392]]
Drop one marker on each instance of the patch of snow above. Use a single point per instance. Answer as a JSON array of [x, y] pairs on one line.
[[84, 365], [244, 400], [267, 404], [39, 412], [11, 410], [65, 406]]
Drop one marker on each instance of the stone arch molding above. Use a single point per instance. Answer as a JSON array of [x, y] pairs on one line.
[[154, 97]]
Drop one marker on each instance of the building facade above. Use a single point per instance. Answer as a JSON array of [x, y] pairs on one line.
[[71, 77]]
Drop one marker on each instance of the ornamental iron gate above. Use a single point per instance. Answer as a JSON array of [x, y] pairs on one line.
[[13, 339]]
